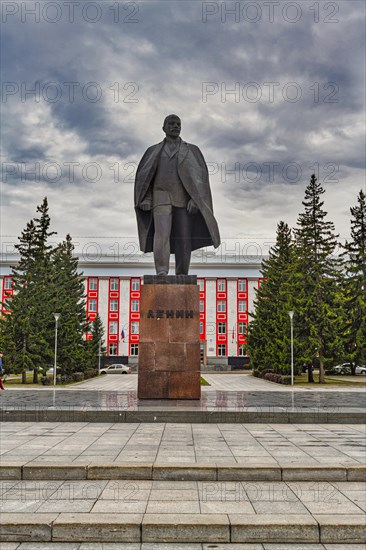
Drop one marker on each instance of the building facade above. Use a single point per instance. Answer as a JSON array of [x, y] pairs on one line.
[[113, 290]]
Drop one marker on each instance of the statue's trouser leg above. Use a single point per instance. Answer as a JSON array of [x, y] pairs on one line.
[[182, 240], [163, 225]]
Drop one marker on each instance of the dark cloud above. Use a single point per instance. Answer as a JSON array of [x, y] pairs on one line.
[[147, 69]]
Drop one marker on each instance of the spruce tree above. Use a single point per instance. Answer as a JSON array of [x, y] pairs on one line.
[[354, 285], [26, 328], [40, 290], [316, 292], [96, 346], [68, 299], [269, 331]]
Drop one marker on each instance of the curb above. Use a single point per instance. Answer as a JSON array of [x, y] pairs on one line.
[[181, 472]]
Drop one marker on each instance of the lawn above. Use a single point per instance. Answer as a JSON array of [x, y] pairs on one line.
[[302, 380]]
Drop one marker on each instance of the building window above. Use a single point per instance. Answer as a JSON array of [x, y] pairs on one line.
[[93, 284], [242, 328], [114, 284], [202, 306], [221, 350], [134, 327], [221, 328], [242, 351], [201, 327], [135, 284], [113, 305], [201, 284], [221, 306], [221, 285], [92, 306], [113, 327], [134, 349], [242, 306], [8, 283], [112, 349], [242, 285], [135, 305]]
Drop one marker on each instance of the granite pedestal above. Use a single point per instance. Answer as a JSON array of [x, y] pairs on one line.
[[169, 348]]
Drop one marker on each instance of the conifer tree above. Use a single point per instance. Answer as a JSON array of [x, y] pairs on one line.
[[269, 331], [26, 327], [96, 346], [68, 299], [354, 285], [316, 293]]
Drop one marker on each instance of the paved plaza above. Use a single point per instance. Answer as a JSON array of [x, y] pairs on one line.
[[174, 485], [273, 445], [229, 381]]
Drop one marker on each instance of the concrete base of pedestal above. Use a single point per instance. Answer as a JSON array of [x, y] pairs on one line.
[[169, 348]]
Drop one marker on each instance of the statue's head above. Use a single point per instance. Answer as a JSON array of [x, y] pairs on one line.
[[172, 126]]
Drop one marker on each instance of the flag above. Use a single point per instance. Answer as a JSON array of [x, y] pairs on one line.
[[123, 335], [233, 334]]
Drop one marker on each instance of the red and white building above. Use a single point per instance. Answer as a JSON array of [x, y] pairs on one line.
[[113, 289]]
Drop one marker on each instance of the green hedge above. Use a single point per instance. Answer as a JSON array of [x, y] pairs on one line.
[[273, 377]]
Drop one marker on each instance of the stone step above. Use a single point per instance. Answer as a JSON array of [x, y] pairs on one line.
[[257, 415], [38, 470], [183, 528], [176, 546]]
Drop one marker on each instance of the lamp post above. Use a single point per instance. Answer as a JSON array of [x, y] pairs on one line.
[[56, 316], [99, 354], [291, 314]]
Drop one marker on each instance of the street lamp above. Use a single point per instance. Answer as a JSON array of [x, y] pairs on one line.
[[56, 316], [99, 354], [291, 314]]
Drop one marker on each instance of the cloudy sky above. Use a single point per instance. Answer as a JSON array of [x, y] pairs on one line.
[[270, 91]]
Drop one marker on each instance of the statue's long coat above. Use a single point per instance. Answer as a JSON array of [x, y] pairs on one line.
[[193, 173]]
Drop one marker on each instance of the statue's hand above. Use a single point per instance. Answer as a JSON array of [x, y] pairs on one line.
[[146, 205], [192, 207]]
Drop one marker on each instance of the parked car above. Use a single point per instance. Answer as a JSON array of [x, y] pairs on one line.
[[345, 368], [49, 372], [116, 369]]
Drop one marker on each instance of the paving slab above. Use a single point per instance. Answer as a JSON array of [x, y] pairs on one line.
[[26, 527], [249, 472], [356, 472], [273, 528], [345, 546], [282, 546], [49, 546], [53, 471], [314, 472], [10, 471], [109, 546], [233, 547], [342, 528], [184, 472], [186, 528], [9, 545], [94, 528], [127, 470]]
